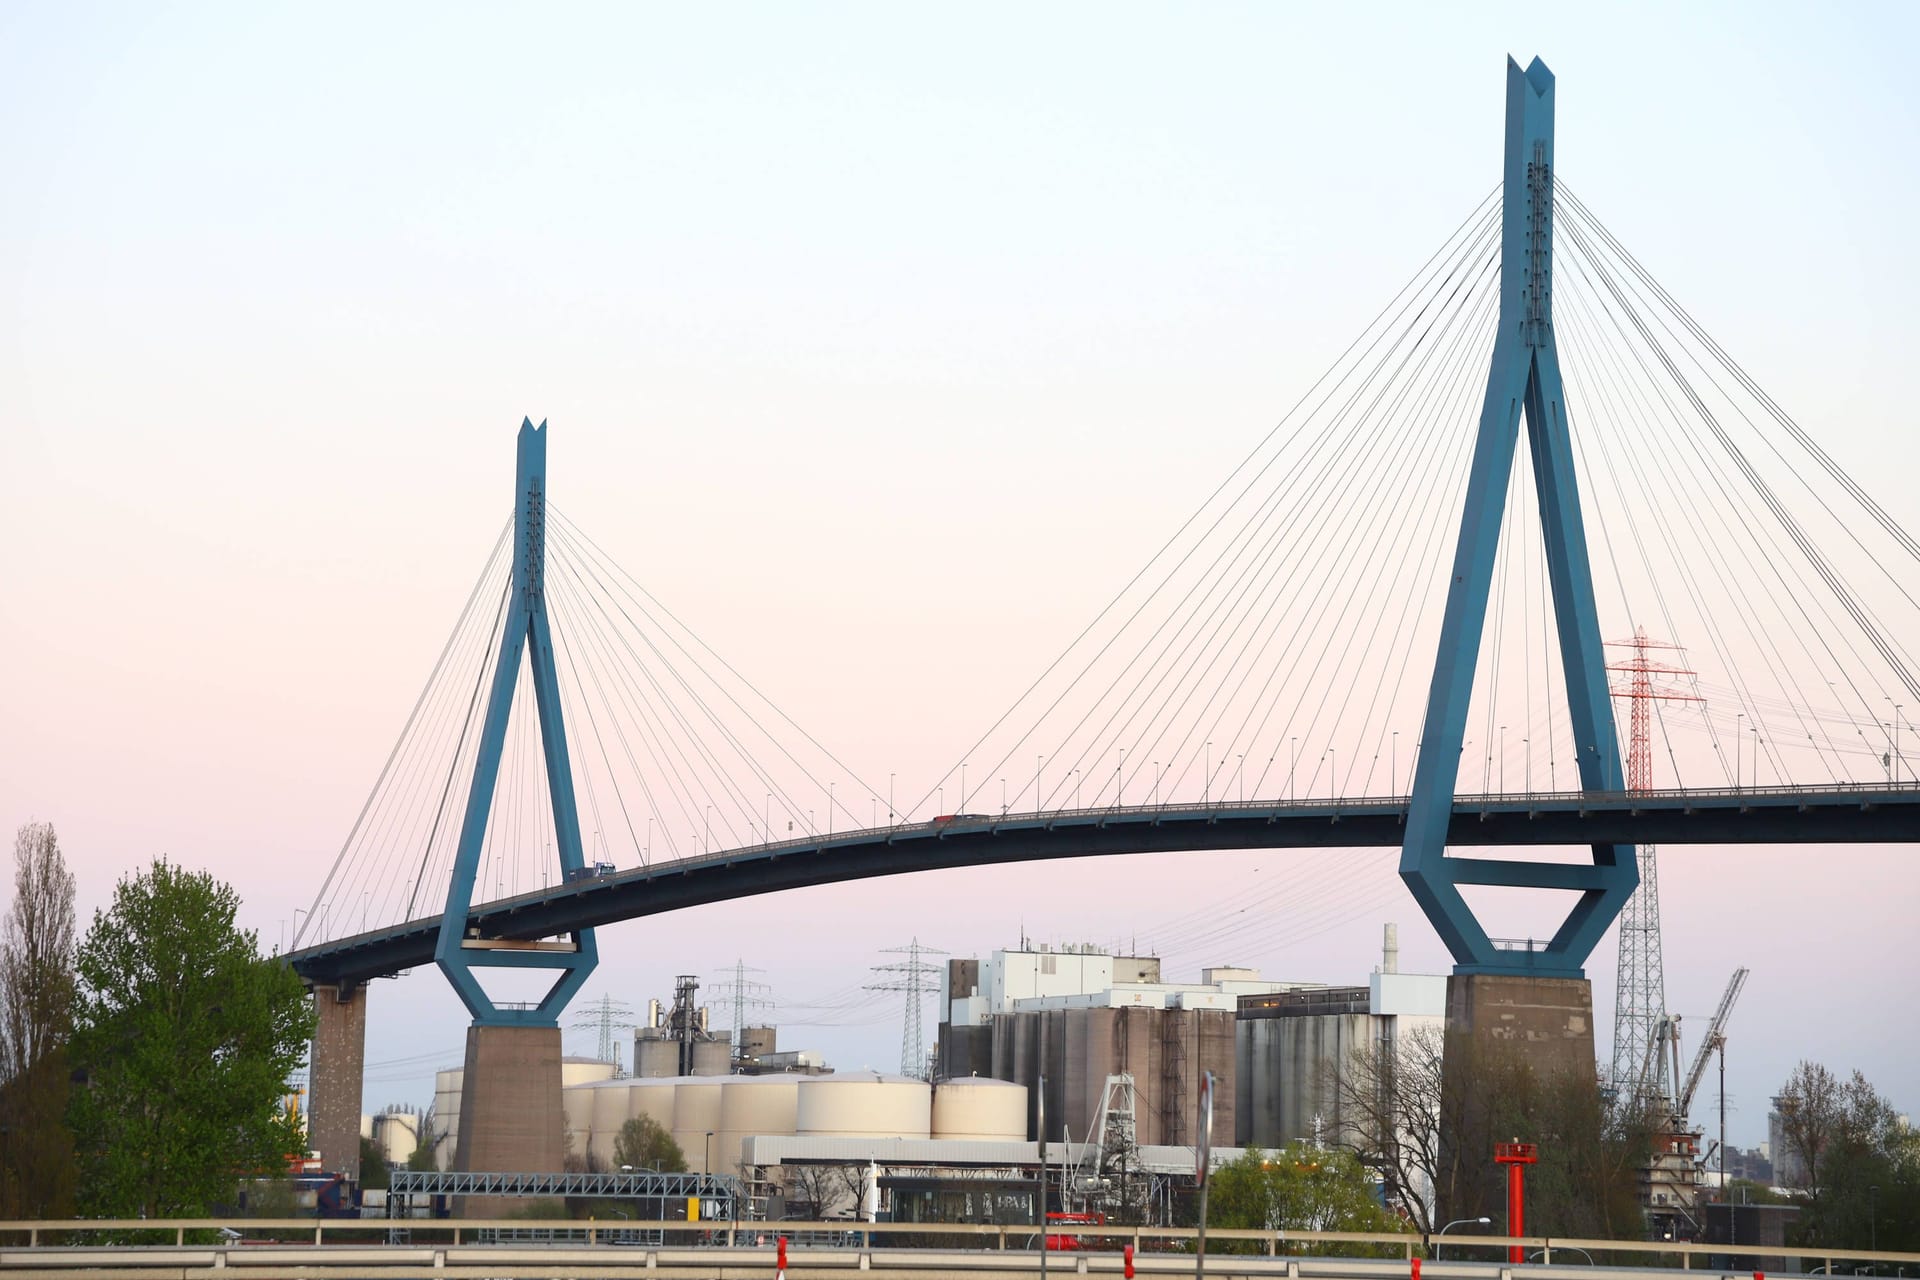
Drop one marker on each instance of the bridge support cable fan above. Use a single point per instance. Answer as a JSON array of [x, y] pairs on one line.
[[1274, 649], [674, 755]]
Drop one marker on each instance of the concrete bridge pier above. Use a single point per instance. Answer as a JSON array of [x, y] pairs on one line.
[[511, 1119], [338, 1064], [1497, 1024], [1545, 1022]]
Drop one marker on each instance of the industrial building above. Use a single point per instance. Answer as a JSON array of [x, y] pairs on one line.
[[856, 1145], [1292, 1049], [1085, 1020]]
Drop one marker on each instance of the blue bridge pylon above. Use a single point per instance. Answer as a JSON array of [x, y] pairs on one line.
[[526, 629], [1524, 377]]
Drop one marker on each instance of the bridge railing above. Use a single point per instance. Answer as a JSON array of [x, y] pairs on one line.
[[79, 1242]]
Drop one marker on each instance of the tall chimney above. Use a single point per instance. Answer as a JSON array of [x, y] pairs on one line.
[[1390, 950]]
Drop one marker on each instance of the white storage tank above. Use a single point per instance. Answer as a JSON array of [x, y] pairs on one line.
[[609, 1113], [696, 1113], [867, 1105], [754, 1106], [652, 1098], [583, 1071], [396, 1133], [446, 1115], [980, 1109], [577, 1106]]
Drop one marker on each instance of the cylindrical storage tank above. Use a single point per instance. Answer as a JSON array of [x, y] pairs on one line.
[[577, 1106], [446, 1115], [609, 1114], [754, 1106], [656, 1059], [980, 1109], [583, 1071], [712, 1058], [864, 1106], [652, 1098], [396, 1133], [696, 1113]]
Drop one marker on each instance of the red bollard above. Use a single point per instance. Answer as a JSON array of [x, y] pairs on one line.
[[780, 1263], [1126, 1255], [1416, 1269]]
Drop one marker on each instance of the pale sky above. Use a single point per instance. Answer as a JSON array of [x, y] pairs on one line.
[[883, 343]]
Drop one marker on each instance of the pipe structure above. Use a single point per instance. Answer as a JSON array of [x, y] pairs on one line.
[[1516, 1156]]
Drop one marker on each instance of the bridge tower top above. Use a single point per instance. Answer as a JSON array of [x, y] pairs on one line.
[[1524, 377], [525, 630], [1526, 258]]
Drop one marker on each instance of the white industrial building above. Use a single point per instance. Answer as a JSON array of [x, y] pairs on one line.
[[1085, 978]]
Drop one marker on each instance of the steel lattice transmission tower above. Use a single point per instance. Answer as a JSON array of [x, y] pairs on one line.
[[606, 1016], [910, 976], [741, 994], [1640, 984]]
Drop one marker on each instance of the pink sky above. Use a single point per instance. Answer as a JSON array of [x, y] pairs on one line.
[[884, 365]]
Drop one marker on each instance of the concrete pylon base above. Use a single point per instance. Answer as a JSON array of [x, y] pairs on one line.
[[1496, 1024], [510, 1115], [1545, 1022], [338, 1062]]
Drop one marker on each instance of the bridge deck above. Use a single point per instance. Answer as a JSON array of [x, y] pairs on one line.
[[1776, 815]]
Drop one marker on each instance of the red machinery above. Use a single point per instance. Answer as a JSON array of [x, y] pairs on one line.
[[1066, 1242]]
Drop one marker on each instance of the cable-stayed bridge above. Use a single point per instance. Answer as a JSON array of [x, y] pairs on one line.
[[1387, 626], [1773, 815]]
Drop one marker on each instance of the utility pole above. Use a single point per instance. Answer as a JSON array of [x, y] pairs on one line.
[[910, 976]]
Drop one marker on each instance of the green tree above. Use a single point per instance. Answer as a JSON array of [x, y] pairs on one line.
[[185, 1036], [1297, 1188], [373, 1166], [644, 1143], [1859, 1164], [36, 1020], [423, 1158]]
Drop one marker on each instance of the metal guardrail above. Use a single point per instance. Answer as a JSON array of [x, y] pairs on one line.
[[748, 1246]]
